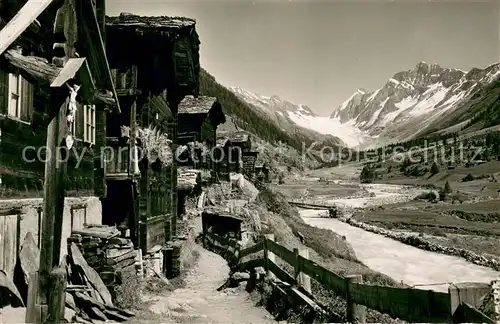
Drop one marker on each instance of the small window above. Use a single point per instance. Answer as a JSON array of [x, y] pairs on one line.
[[20, 96], [15, 84], [73, 126], [89, 122]]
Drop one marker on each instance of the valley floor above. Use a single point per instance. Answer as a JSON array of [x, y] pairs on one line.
[[471, 222]]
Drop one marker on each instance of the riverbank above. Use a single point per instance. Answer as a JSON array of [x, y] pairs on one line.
[[468, 219], [444, 239]]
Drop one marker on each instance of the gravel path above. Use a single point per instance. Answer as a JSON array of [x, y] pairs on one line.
[[200, 302]]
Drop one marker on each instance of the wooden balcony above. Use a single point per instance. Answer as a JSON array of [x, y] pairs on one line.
[[117, 157]]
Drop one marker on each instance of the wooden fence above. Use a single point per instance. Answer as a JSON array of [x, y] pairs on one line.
[[409, 304]]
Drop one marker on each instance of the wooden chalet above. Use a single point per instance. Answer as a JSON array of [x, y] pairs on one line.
[[155, 64], [262, 172], [55, 91], [198, 121], [240, 143], [249, 158], [221, 156]]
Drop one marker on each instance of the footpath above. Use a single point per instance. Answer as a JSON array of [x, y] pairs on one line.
[[200, 302]]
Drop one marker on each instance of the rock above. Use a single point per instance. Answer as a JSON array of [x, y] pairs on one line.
[[240, 276], [69, 315], [260, 272], [9, 295], [70, 301], [29, 256], [91, 274]]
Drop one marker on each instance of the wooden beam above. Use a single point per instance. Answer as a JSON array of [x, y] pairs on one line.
[[36, 67], [68, 72], [10, 211], [91, 37], [53, 203], [21, 21]]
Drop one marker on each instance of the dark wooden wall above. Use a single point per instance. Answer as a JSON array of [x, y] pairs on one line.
[[24, 176]]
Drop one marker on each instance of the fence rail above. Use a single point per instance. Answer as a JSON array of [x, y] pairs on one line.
[[409, 304]]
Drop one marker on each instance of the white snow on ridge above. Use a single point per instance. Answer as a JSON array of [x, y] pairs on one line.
[[394, 81], [435, 94], [350, 135]]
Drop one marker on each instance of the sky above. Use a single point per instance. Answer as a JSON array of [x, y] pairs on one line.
[[319, 52]]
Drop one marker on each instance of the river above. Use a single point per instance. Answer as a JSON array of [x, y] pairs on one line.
[[395, 259]]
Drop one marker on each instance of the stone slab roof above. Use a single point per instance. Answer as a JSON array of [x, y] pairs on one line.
[[196, 105]]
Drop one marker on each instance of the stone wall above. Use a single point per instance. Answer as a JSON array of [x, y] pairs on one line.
[[32, 207], [421, 243]]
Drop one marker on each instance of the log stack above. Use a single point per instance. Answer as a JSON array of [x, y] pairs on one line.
[[110, 255], [87, 297]]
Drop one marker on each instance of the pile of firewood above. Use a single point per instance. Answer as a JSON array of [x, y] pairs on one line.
[[87, 298], [105, 251]]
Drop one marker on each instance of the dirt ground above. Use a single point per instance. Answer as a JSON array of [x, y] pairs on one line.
[[200, 302]]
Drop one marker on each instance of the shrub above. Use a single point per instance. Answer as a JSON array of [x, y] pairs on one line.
[[429, 195], [443, 194], [367, 174], [468, 177], [128, 293], [434, 169]]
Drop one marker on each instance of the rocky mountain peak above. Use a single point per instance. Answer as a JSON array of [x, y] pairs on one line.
[[424, 92]]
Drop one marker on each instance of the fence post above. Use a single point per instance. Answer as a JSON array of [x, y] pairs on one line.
[[297, 266], [33, 309], [355, 312], [268, 255], [304, 280], [467, 292], [495, 287], [57, 296]]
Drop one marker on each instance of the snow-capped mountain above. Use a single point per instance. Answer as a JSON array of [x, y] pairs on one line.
[[297, 117], [414, 102]]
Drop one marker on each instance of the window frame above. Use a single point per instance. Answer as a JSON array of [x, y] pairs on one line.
[[19, 103], [89, 129], [24, 96]]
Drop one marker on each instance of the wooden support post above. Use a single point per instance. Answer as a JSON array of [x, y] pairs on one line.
[[304, 280], [33, 309], [140, 262], [53, 203], [297, 266], [269, 256], [57, 296], [355, 312], [467, 292]]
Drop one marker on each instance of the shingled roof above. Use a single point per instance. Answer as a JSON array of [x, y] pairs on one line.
[[152, 23], [239, 138], [196, 105], [222, 141]]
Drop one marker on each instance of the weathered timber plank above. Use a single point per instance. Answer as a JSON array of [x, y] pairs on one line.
[[251, 264], [404, 303], [259, 246], [68, 72], [96, 233], [282, 252], [91, 274], [322, 275], [465, 313], [22, 20], [10, 211], [280, 273], [9, 244]]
